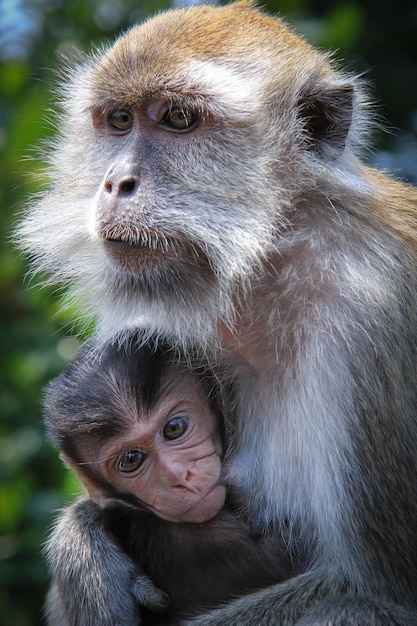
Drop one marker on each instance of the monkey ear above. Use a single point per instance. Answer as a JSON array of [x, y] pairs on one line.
[[326, 113]]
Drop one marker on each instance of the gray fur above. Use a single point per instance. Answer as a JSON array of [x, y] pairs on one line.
[[94, 581]]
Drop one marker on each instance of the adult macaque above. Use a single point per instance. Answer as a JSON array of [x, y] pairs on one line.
[[207, 183], [140, 432]]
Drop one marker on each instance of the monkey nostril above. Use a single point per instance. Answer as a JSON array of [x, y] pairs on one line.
[[127, 186], [123, 187]]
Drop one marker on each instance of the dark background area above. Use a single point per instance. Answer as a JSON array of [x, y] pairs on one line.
[[377, 38]]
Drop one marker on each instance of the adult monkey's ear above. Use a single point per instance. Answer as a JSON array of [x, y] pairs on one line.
[[326, 113]]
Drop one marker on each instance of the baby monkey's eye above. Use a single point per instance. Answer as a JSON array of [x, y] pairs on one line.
[[131, 460], [175, 428], [180, 119]]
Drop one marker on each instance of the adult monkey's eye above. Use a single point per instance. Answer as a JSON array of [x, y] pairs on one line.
[[131, 460], [180, 119], [175, 428], [120, 120]]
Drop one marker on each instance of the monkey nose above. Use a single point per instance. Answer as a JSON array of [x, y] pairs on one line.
[[122, 181], [123, 187], [181, 476]]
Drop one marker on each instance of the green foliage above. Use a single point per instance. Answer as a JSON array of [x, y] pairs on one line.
[[36, 337]]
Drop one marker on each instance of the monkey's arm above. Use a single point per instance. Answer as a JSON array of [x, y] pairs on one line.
[[94, 582], [306, 600]]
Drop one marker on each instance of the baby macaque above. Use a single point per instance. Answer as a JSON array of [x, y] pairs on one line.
[[145, 435]]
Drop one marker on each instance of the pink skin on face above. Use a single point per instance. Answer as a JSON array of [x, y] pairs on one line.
[[171, 457]]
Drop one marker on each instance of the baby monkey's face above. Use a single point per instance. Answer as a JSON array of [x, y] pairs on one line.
[[170, 459]]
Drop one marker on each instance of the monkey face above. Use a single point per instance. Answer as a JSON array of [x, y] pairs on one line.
[[183, 150], [168, 207], [170, 459]]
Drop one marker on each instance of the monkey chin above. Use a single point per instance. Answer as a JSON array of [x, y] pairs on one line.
[[153, 258], [136, 258], [206, 508], [202, 511]]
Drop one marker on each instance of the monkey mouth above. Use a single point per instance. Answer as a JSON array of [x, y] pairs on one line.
[[142, 239], [198, 511], [139, 253], [142, 252], [206, 507]]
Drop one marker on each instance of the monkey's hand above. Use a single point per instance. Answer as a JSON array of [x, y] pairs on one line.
[[94, 581]]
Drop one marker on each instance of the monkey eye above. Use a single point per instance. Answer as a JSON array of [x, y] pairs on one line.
[[120, 120], [180, 119], [131, 460], [175, 428]]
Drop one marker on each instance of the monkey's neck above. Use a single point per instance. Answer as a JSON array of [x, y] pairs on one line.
[[267, 317]]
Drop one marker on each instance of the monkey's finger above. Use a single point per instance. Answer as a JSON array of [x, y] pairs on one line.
[[150, 596]]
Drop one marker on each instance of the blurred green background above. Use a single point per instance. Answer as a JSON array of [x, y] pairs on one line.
[[374, 37]]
